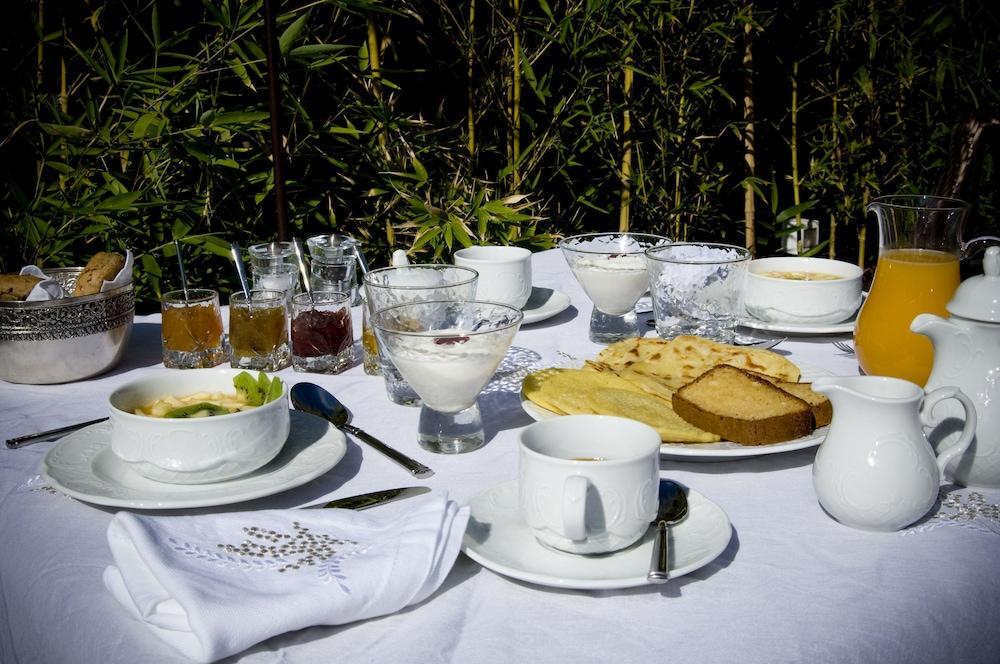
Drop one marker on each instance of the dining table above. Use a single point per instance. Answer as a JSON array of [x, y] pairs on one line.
[[791, 584]]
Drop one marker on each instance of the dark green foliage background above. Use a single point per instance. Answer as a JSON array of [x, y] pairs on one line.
[[162, 132]]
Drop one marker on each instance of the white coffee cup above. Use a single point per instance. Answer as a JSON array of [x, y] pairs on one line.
[[504, 272], [588, 483]]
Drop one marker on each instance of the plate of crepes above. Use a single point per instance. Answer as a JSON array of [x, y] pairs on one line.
[[708, 401]]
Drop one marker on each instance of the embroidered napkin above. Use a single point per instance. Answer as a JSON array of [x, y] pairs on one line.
[[214, 585], [50, 289]]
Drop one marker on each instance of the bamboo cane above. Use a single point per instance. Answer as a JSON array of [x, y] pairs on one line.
[[375, 66], [515, 75], [749, 210], [277, 145], [626, 169], [470, 98], [795, 153]]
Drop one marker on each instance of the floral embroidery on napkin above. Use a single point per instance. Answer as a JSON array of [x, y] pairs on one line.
[[281, 552], [968, 510]]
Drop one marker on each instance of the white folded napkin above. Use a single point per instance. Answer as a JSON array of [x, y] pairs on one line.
[[50, 289], [214, 585]]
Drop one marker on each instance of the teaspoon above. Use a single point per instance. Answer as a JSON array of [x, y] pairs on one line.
[[311, 398]]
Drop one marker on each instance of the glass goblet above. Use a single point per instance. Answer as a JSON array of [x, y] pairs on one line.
[[447, 350], [611, 267], [404, 284]]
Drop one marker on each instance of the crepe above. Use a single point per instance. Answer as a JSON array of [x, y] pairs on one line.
[[589, 391], [684, 358]]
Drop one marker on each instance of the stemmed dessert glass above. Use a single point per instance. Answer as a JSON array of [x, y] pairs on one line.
[[447, 350], [611, 268], [404, 284]]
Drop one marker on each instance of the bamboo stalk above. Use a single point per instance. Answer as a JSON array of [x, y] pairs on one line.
[[470, 97], [515, 116], [678, 221], [795, 152], [40, 56], [274, 106], [375, 67], [749, 156], [626, 169], [837, 156]]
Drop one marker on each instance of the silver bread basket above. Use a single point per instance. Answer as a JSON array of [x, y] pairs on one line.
[[59, 341]]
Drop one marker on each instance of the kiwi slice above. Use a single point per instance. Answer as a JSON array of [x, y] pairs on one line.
[[195, 410], [249, 388]]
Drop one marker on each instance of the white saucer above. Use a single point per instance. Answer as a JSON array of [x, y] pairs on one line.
[[722, 450], [497, 539], [83, 466], [543, 304]]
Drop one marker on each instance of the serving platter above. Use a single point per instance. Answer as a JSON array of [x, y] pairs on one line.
[[83, 466], [498, 539], [723, 450]]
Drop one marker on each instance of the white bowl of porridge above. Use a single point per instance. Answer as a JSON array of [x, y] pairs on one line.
[[802, 289]]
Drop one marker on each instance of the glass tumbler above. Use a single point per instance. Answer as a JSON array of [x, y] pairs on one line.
[[322, 338], [258, 331], [697, 288], [282, 277], [332, 273], [192, 329]]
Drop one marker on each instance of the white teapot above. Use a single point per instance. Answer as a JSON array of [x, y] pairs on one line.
[[876, 470], [967, 355]]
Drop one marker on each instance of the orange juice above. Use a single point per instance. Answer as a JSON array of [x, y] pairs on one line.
[[907, 282]]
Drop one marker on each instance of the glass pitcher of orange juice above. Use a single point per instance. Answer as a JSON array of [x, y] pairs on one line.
[[917, 272]]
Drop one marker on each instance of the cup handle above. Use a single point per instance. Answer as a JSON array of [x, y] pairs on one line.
[[574, 507], [968, 431]]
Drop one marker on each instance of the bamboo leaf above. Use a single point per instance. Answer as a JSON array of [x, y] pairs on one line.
[[292, 34], [120, 201], [68, 131]]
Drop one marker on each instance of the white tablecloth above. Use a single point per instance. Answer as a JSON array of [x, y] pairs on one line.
[[793, 585]]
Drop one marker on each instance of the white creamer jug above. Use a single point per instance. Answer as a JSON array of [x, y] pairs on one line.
[[876, 470], [967, 355]]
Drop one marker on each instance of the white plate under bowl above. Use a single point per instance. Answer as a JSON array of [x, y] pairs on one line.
[[722, 450], [845, 327], [544, 303], [83, 466], [499, 540]]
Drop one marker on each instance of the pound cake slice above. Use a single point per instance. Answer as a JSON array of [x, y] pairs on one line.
[[821, 407], [743, 408]]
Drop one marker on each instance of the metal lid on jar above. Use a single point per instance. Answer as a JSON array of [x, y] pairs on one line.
[[978, 298]]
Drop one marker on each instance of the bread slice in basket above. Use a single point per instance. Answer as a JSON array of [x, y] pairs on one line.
[[742, 407]]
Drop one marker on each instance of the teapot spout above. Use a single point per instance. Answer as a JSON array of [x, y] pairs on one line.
[[935, 327], [952, 347]]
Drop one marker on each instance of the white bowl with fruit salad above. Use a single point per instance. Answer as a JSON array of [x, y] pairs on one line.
[[199, 425]]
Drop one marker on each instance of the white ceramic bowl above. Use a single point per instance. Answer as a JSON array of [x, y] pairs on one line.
[[196, 450], [778, 300]]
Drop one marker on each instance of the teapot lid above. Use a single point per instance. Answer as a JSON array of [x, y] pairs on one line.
[[978, 298]]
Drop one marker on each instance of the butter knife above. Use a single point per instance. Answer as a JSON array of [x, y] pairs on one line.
[[51, 434], [366, 500]]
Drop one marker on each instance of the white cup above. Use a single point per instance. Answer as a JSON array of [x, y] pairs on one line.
[[504, 272], [588, 483]]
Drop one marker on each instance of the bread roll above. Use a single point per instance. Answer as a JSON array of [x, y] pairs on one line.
[[15, 287], [103, 266]]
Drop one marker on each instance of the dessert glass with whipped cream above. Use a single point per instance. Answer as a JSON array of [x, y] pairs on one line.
[[404, 284], [697, 288], [611, 267], [448, 350]]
